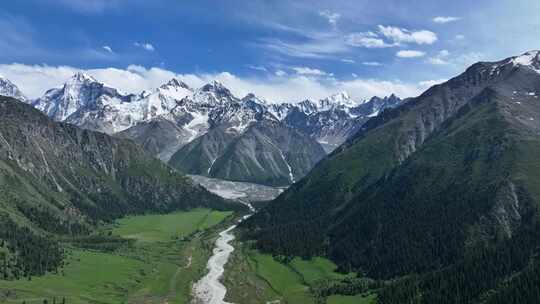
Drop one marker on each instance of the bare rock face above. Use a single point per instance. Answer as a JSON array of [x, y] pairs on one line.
[[266, 153]]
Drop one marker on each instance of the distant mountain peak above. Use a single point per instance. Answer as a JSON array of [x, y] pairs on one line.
[[176, 83], [256, 99], [338, 99], [8, 88], [216, 91], [82, 77], [214, 86]]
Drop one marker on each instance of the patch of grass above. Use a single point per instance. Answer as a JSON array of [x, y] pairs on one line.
[[88, 276], [282, 278], [254, 277], [157, 268], [317, 268], [162, 228]]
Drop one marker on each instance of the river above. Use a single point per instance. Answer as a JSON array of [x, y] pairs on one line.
[[209, 289]]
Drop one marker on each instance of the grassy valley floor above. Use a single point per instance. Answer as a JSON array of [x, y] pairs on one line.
[[165, 255], [252, 277]]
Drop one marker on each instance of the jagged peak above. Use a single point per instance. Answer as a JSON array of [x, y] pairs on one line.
[[8, 88], [214, 86], [176, 83], [82, 77], [250, 96], [338, 97], [254, 98]]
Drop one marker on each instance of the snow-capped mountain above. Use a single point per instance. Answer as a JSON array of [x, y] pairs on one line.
[[331, 120], [88, 103], [7, 88], [209, 131]]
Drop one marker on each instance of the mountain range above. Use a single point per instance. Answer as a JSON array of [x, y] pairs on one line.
[[437, 198], [209, 131]]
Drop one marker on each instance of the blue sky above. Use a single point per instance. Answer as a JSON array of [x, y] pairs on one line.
[[279, 49]]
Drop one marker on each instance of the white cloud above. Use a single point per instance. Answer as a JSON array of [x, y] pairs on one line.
[[460, 37], [145, 45], [280, 73], [445, 19], [354, 75], [322, 47], [465, 60], [345, 60], [410, 54], [107, 49], [371, 63], [35, 79], [400, 35], [257, 68], [367, 40], [429, 83], [331, 17], [440, 59], [309, 71], [457, 61]]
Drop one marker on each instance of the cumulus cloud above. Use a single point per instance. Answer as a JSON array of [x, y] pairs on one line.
[[367, 40], [410, 54], [309, 71], [345, 60], [445, 19], [145, 45], [401, 35], [35, 79], [331, 17]]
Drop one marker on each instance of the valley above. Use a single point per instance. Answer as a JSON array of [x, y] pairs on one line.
[[215, 153], [164, 255]]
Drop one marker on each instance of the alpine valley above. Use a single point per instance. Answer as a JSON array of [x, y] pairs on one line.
[[431, 199]]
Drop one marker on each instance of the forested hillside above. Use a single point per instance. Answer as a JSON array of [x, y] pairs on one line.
[[444, 187], [57, 180]]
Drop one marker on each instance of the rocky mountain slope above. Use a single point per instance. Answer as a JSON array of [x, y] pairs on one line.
[[444, 187], [58, 179], [267, 152]]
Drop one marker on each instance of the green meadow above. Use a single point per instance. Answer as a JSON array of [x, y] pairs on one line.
[[253, 277], [169, 252]]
